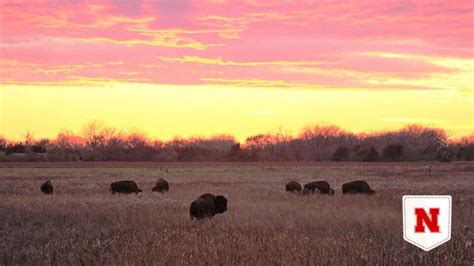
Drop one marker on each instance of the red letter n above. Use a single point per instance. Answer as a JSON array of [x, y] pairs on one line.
[[422, 216]]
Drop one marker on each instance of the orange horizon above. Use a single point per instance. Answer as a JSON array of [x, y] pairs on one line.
[[332, 129]]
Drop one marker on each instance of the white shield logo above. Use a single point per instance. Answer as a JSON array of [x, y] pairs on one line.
[[427, 220]]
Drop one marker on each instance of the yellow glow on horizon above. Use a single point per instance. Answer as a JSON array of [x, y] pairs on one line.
[[165, 111]]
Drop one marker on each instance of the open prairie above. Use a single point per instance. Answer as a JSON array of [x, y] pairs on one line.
[[82, 223]]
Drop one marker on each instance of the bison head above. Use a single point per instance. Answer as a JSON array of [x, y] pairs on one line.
[[307, 191], [221, 204]]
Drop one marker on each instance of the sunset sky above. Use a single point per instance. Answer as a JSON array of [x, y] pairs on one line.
[[182, 67]]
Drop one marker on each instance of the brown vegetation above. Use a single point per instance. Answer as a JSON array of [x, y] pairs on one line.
[[83, 224], [319, 143]]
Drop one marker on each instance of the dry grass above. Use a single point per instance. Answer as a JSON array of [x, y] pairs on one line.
[[83, 224]]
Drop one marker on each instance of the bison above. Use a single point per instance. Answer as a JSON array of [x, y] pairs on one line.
[[47, 188], [161, 186], [124, 187], [357, 187], [293, 186], [322, 186], [207, 205]]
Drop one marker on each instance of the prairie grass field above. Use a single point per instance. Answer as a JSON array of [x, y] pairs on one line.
[[83, 224]]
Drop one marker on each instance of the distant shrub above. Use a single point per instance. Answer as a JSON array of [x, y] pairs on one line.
[[466, 153], [3, 144], [444, 155], [371, 156], [341, 154], [393, 152], [38, 149], [16, 148]]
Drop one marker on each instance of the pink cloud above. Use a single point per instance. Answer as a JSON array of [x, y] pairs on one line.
[[321, 43]]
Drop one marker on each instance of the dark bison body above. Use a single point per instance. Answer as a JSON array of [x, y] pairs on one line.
[[161, 186], [124, 187], [293, 186], [357, 187], [207, 205], [322, 186], [47, 188]]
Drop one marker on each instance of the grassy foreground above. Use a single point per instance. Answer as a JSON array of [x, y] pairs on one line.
[[82, 223]]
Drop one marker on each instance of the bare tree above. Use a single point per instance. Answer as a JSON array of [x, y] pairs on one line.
[[97, 137], [29, 141], [324, 140]]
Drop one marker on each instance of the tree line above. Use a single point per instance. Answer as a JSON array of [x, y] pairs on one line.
[[98, 142]]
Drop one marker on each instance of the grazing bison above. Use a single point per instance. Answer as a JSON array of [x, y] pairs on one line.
[[161, 186], [322, 186], [124, 187], [293, 186], [47, 188], [357, 187], [207, 205]]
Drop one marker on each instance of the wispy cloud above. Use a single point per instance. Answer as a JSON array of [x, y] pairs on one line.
[[317, 44]]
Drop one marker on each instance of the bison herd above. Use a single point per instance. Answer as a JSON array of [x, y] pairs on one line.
[[323, 187], [208, 205]]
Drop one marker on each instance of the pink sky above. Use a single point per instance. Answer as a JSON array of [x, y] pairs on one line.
[[321, 43], [365, 46]]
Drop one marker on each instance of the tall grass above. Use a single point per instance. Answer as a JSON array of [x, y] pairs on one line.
[[83, 224]]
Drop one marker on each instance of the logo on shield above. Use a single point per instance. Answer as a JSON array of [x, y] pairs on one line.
[[427, 220]]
